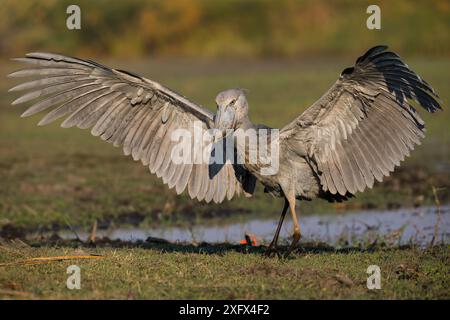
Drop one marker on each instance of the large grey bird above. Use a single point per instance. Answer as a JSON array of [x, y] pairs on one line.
[[356, 133]]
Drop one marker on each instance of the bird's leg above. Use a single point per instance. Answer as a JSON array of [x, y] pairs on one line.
[[280, 223], [273, 245], [296, 236]]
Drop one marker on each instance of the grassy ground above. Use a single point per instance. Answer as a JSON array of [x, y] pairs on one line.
[[52, 177], [222, 272]]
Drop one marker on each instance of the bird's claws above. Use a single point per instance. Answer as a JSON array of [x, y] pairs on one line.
[[271, 251]]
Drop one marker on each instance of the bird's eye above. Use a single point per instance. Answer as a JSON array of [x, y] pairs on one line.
[[232, 102]]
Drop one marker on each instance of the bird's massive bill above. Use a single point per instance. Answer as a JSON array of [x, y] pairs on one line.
[[224, 119]]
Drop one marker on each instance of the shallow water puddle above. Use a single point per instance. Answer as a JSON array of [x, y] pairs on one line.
[[402, 226]]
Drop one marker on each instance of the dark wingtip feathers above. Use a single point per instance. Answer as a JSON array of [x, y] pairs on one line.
[[401, 81], [372, 51]]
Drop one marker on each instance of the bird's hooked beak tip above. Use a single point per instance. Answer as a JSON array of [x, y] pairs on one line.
[[218, 135]]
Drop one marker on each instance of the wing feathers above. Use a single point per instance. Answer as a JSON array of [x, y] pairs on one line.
[[364, 125], [126, 110]]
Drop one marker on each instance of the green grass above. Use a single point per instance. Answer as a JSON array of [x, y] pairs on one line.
[[177, 272]]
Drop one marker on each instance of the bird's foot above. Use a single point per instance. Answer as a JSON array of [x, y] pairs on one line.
[[293, 245], [271, 251]]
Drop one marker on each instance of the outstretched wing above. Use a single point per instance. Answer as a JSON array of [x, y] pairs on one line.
[[363, 126], [129, 111]]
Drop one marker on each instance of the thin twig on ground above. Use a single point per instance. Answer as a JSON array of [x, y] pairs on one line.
[[41, 260], [14, 293]]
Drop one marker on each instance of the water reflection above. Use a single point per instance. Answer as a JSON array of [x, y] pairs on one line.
[[398, 227]]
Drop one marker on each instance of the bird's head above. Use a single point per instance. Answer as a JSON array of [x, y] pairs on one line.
[[232, 108]]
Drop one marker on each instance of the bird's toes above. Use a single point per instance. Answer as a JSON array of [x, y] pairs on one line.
[[271, 252]]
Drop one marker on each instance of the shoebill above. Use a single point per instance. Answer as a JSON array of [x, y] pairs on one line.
[[356, 133]]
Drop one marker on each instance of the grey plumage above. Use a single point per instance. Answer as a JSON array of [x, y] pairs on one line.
[[356, 133]]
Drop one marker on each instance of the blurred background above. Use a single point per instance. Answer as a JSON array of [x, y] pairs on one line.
[[286, 53], [223, 28]]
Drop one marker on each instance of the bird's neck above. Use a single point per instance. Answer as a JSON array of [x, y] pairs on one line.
[[245, 124]]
